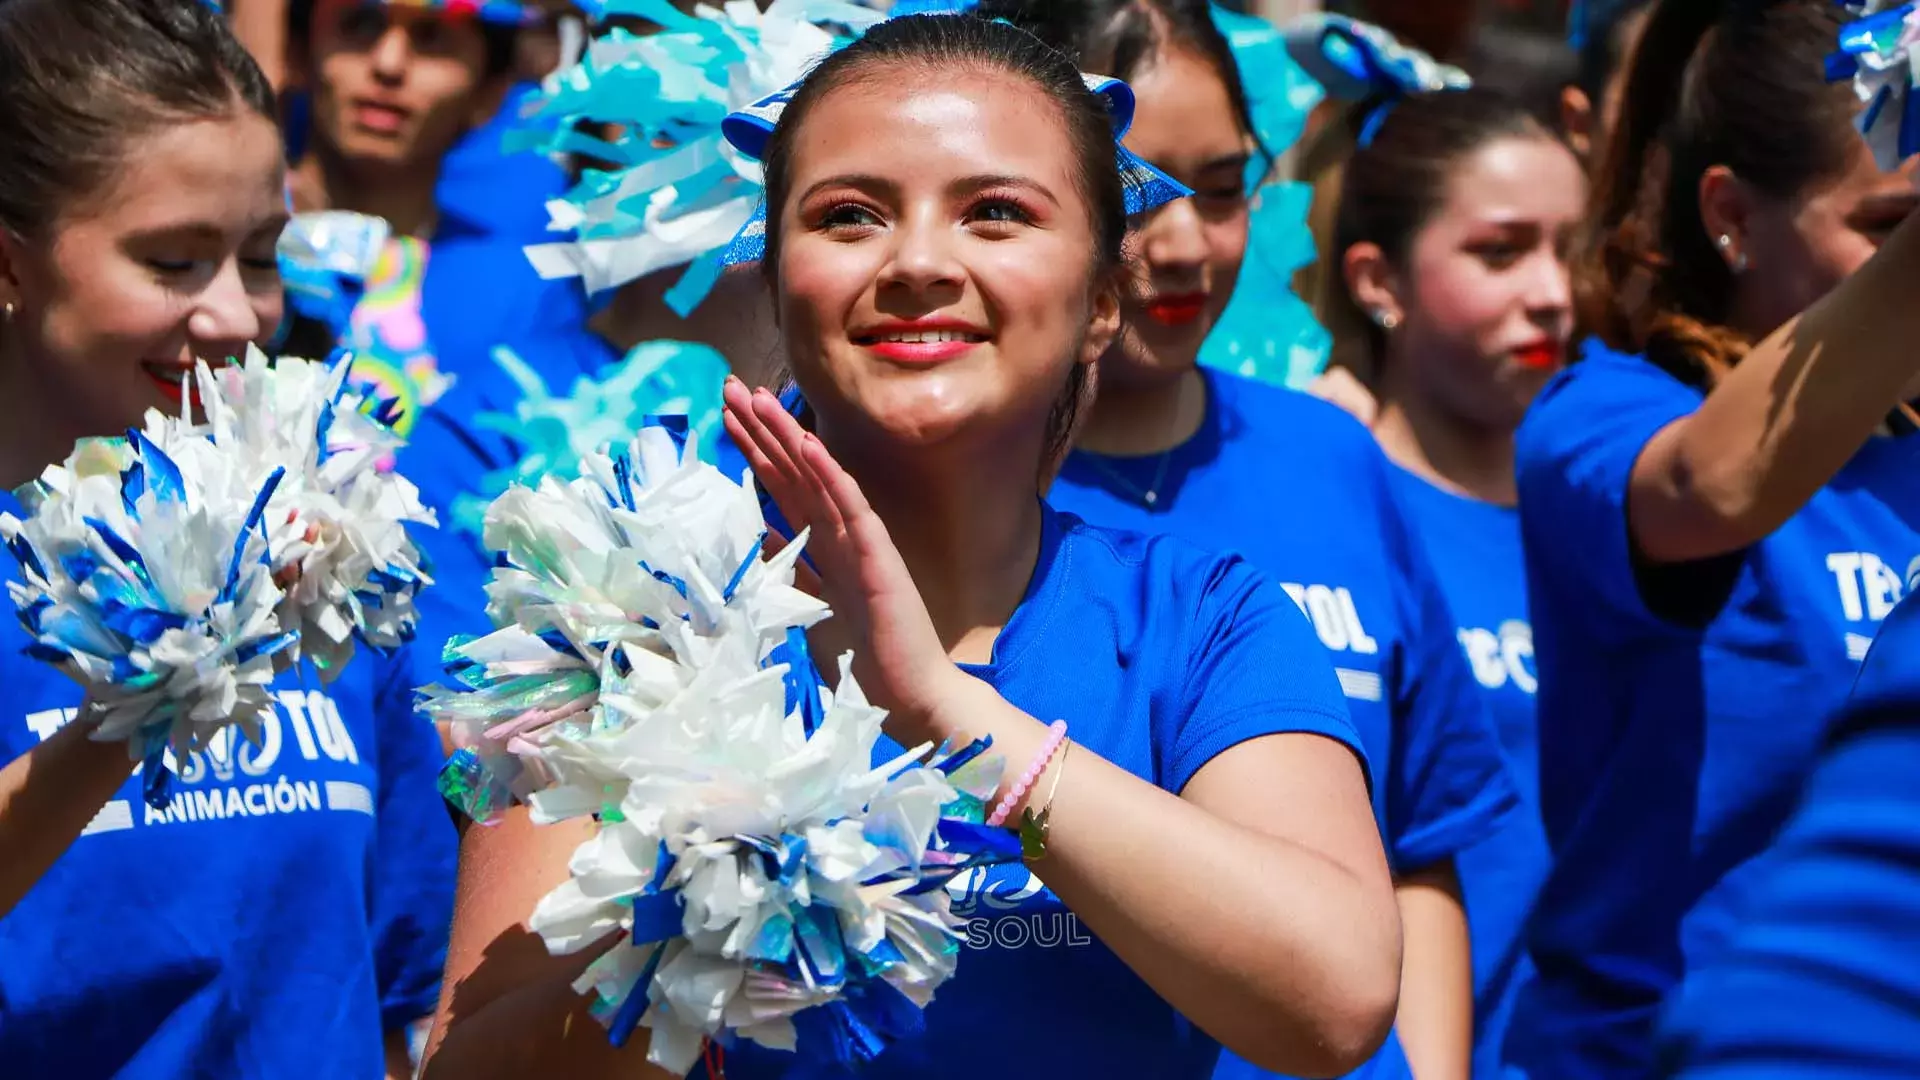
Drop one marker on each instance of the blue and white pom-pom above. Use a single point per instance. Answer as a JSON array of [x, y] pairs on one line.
[[657, 378], [766, 879], [678, 193], [1877, 53], [337, 522], [153, 566]]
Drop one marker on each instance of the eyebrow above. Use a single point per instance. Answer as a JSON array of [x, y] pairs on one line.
[[977, 182], [1237, 160]]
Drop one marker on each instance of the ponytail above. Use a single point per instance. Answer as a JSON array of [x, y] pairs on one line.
[[1737, 83]]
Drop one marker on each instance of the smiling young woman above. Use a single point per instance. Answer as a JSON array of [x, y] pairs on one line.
[[946, 221], [141, 197]]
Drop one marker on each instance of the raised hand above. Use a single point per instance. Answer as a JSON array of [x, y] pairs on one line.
[[877, 611]]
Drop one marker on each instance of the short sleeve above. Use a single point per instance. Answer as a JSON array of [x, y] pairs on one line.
[[415, 852], [1254, 668], [1819, 982], [1575, 456], [1449, 781]]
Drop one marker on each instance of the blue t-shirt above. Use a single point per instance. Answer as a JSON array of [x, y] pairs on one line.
[[287, 909], [1159, 657], [505, 193], [1680, 707], [1302, 490], [1475, 550], [1819, 982]]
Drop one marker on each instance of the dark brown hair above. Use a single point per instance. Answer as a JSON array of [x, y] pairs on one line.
[[1737, 83], [1120, 38], [79, 79], [1394, 185], [919, 45]]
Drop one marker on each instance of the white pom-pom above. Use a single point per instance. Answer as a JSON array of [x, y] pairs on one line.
[[338, 519], [174, 571], [652, 671]]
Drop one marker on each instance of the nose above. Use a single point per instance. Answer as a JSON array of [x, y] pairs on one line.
[[226, 316], [390, 54], [924, 254], [1549, 295], [1174, 240]]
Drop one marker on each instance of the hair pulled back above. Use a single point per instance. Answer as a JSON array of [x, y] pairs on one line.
[[1122, 38], [1737, 83], [80, 79], [1394, 186], [916, 47]]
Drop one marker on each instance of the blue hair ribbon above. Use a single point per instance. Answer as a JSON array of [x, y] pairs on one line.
[[1358, 61]]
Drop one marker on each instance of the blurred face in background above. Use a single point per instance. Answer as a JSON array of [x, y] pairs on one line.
[[394, 87]]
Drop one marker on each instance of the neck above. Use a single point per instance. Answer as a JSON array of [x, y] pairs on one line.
[[1137, 415], [34, 431], [969, 536], [402, 195], [1445, 450]]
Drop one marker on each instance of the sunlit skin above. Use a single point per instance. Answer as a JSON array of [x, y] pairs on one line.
[[1483, 303], [394, 87], [173, 260], [976, 234], [1188, 253]]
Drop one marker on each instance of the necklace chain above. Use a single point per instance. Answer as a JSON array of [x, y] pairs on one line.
[[1150, 495]]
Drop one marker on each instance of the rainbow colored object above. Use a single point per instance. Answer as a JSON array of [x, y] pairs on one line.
[[500, 12]]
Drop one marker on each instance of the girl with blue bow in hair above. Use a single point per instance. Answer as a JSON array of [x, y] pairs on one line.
[[1717, 500], [943, 239], [285, 913], [1171, 447]]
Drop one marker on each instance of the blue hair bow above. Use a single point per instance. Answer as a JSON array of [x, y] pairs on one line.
[[1147, 188], [1877, 53], [1357, 61]]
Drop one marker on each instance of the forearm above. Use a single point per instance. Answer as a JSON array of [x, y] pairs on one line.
[[1786, 419], [1281, 953], [48, 795], [1435, 1022], [507, 1006]]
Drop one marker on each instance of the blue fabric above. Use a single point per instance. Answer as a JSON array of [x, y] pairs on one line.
[[1475, 550], [1676, 721], [1335, 534], [1159, 657], [449, 454], [290, 906], [1819, 981], [500, 194]]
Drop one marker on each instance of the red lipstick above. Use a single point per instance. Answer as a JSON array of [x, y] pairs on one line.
[[921, 342], [1177, 309], [1539, 355]]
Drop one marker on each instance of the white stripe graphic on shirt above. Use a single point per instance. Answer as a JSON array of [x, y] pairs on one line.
[[113, 817], [1361, 685], [1857, 646], [346, 795]]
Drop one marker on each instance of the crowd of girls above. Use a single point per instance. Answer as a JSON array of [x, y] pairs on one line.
[[1496, 724]]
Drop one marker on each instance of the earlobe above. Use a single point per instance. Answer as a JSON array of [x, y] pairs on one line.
[[1726, 211], [1372, 283], [1104, 326]]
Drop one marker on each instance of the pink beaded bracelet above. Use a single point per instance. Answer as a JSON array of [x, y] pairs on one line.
[[1056, 734]]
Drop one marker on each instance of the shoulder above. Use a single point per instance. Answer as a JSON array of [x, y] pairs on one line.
[[1275, 414], [1163, 578], [1608, 403]]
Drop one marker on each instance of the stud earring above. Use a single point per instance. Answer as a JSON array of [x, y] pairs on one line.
[[1736, 260], [1385, 320]]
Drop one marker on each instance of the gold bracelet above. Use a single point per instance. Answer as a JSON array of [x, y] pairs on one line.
[[1034, 828]]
